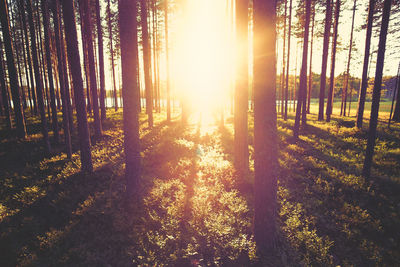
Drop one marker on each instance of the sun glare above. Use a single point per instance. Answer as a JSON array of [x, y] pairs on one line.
[[203, 60]]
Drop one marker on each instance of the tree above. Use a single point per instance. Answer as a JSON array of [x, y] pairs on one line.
[[327, 33], [346, 85], [167, 61], [310, 77], [76, 73], [265, 129], [101, 63], [241, 89], [62, 79], [45, 11], [288, 61], [128, 36], [146, 63], [110, 37], [329, 103], [302, 93], [364, 81], [12, 71], [4, 92], [38, 77], [87, 28], [283, 61], [376, 94], [396, 114]]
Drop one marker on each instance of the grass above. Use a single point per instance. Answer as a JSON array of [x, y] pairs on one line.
[[194, 211]]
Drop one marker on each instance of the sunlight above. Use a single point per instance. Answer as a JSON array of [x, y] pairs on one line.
[[203, 56]]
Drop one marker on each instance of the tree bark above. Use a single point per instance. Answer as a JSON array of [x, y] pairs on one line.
[[327, 33], [4, 92], [288, 62], [331, 93], [167, 61], [376, 94], [146, 63], [265, 129], [87, 27], [310, 77], [364, 81], [12, 71], [76, 72], [101, 63], [128, 35], [302, 93]]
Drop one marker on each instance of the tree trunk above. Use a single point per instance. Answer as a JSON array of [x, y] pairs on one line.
[[265, 129], [146, 63], [288, 61], [346, 85], [167, 61], [4, 92], [310, 77], [396, 114], [12, 71], [327, 33], [364, 81], [376, 94], [61, 75], [303, 75], [101, 63], [283, 62], [128, 35], [331, 94], [47, 40], [87, 27], [75, 67]]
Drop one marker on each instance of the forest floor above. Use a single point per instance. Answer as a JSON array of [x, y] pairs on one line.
[[194, 209]]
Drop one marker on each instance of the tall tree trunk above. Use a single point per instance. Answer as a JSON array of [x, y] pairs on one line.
[[75, 67], [128, 35], [110, 36], [288, 62], [327, 33], [28, 51], [396, 114], [167, 61], [283, 62], [101, 63], [376, 94], [4, 91], [241, 89], [265, 129], [45, 11], [310, 77], [38, 78], [12, 71], [146, 63], [331, 94], [364, 81], [346, 85], [303, 74], [87, 27], [63, 83]]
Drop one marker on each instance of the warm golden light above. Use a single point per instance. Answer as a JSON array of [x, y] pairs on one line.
[[203, 55]]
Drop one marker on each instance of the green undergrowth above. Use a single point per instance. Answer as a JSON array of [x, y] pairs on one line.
[[194, 210]]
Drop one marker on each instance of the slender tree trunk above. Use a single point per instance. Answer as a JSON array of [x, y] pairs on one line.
[[146, 63], [265, 131], [128, 35], [112, 54], [28, 50], [167, 61], [376, 94], [396, 89], [101, 63], [396, 114], [310, 77], [283, 63], [87, 27], [4, 91], [288, 62], [364, 80], [241, 89], [331, 94], [346, 85], [12, 71], [63, 83], [75, 67], [303, 75], [327, 33], [47, 40]]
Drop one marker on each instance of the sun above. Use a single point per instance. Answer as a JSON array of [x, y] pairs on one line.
[[203, 58]]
